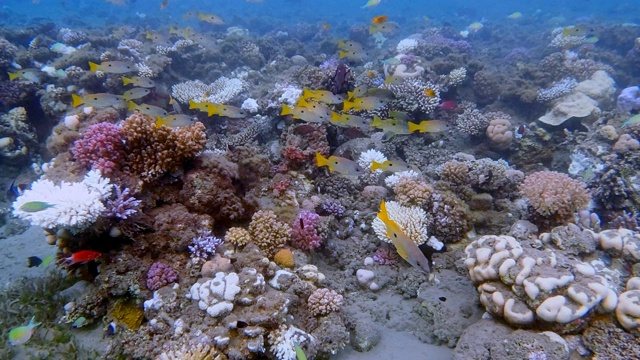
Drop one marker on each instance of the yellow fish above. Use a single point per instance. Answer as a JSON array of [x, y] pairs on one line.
[[26, 74], [210, 18], [391, 165], [346, 120], [202, 106], [226, 111], [147, 109], [302, 113], [177, 120], [357, 92], [476, 26], [406, 247], [112, 67], [371, 3], [429, 126], [350, 45], [98, 100], [364, 103], [383, 28], [321, 110], [138, 81], [515, 16], [324, 96], [339, 164], [353, 55], [395, 126], [135, 93]]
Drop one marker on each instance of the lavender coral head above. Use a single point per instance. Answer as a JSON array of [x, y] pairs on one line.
[[204, 246], [123, 206], [159, 275], [333, 207], [304, 233]]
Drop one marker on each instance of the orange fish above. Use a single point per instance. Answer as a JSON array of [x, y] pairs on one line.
[[81, 257], [430, 93], [380, 19]]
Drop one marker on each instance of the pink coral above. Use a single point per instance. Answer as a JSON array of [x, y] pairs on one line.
[[304, 232], [385, 256], [324, 302], [159, 275], [101, 147], [554, 194]]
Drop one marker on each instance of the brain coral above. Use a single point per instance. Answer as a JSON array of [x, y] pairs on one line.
[[554, 195], [526, 286]]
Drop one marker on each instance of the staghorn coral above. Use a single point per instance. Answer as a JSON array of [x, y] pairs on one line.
[[123, 206], [267, 232], [204, 246], [555, 196], [153, 151], [324, 301]]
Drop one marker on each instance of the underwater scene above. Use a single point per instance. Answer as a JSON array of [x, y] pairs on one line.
[[297, 179]]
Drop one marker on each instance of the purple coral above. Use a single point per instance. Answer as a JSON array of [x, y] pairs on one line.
[[101, 147], [159, 275], [123, 206], [204, 246], [304, 232], [333, 207], [385, 256]]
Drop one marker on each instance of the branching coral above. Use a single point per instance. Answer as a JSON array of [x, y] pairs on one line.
[[412, 220], [101, 147], [304, 231], [153, 151], [324, 301], [267, 232]]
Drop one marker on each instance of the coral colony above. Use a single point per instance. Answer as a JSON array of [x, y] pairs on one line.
[[232, 188]]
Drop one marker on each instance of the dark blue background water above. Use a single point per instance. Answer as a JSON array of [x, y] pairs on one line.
[[337, 13]]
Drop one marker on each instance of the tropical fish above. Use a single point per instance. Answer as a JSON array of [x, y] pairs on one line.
[[515, 16], [177, 120], [364, 103], [135, 93], [394, 126], [393, 80], [391, 61], [156, 38], [632, 121], [147, 109], [577, 31], [80, 322], [348, 45], [448, 105], [406, 247], [383, 28], [324, 96], [339, 164], [226, 111], [175, 105], [300, 355], [429, 126], [371, 3], [353, 55], [380, 19], [98, 100], [210, 18], [474, 27], [321, 110], [26, 74], [302, 113], [202, 106], [350, 120], [112, 67], [81, 257], [381, 93], [391, 165], [431, 93], [33, 261], [35, 206], [22, 334], [139, 81]]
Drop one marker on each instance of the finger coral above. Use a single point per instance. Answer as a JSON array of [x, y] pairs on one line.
[[324, 301], [304, 232], [153, 151], [267, 232], [101, 148]]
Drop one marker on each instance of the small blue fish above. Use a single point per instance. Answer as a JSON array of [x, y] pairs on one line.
[[80, 322], [35, 206]]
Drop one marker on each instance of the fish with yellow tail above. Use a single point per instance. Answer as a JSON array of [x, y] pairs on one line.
[[406, 247], [391, 165], [364, 103], [176, 120], [371, 3], [113, 67], [430, 126], [302, 113], [324, 96], [151, 110], [100, 100], [138, 81], [393, 126], [210, 18], [347, 120], [339, 164], [226, 111], [25, 74]]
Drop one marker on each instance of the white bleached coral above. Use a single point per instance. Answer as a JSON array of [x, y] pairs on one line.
[[216, 295], [220, 91], [411, 220], [282, 341], [406, 45], [75, 205], [368, 157]]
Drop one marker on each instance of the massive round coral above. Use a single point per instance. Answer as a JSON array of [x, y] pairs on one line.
[[555, 195]]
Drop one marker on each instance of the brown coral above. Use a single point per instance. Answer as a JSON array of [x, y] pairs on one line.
[[412, 191], [237, 236], [499, 132], [153, 151], [267, 232], [555, 195]]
